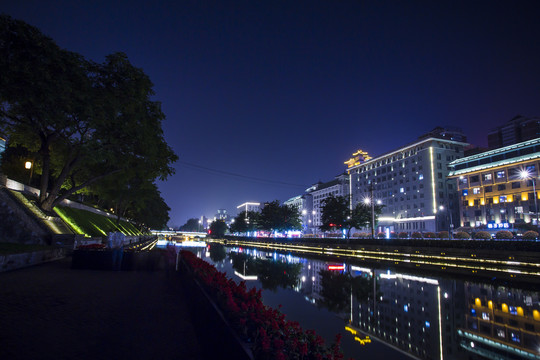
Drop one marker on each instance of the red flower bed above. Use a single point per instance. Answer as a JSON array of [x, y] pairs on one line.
[[273, 337]]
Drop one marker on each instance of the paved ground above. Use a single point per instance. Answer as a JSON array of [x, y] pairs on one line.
[[53, 312]]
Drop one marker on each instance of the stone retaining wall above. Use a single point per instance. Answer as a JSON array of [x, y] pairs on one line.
[[16, 261]]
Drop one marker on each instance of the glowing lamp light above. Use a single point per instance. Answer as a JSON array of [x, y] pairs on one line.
[[477, 302], [524, 174], [336, 267], [28, 165]]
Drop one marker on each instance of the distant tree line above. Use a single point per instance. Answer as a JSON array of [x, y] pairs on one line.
[[336, 215], [91, 130]]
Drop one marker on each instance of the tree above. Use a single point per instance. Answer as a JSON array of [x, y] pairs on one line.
[[218, 229], [276, 217], [335, 214], [191, 225], [245, 222], [84, 121]]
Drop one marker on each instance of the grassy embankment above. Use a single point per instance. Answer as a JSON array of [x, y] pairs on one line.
[[94, 225]]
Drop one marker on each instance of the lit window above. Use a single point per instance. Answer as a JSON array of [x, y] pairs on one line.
[[476, 191], [487, 177], [465, 192], [500, 174], [401, 190], [502, 199], [420, 177]]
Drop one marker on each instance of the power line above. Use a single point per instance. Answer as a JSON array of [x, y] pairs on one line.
[[244, 177]]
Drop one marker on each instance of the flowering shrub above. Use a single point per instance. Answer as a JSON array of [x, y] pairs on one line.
[[403, 235], [482, 235], [273, 337], [462, 235], [91, 247], [530, 235], [504, 234], [381, 235], [416, 235], [429, 235], [443, 235]]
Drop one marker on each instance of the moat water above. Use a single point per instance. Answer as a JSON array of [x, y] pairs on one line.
[[389, 312]]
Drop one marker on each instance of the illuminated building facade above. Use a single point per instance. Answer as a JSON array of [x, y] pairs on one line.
[[222, 215], [501, 323], [249, 206], [337, 187], [297, 202], [411, 183], [497, 188], [300, 203]]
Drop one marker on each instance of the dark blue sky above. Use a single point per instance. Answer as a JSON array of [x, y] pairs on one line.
[[287, 90]]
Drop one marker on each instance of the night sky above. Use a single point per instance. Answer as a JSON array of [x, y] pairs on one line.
[[285, 91]]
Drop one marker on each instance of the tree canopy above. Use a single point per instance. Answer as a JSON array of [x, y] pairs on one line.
[[89, 127], [191, 225], [280, 217], [245, 221], [83, 121], [218, 229], [336, 214]]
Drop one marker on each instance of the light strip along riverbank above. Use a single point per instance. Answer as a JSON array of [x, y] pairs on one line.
[[510, 260]]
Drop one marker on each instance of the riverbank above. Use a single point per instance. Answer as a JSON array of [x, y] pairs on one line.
[[53, 312]]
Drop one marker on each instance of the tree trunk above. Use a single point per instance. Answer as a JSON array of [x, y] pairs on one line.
[[46, 163]]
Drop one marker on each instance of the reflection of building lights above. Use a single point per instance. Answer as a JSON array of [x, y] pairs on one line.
[[336, 267], [472, 264]]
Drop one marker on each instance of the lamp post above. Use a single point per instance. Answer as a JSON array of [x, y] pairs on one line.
[[28, 166], [526, 175], [371, 201], [451, 224], [312, 222]]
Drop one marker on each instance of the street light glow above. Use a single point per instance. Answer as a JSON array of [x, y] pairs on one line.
[[524, 174]]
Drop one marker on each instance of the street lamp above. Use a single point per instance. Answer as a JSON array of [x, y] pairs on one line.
[[28, 166], [368, 201], [524, 174], [451, 225]]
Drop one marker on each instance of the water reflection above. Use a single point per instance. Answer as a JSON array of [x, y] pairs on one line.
[[272, 274], [423, 316]]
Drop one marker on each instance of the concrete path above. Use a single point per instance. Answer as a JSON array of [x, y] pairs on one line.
[[52, 312]]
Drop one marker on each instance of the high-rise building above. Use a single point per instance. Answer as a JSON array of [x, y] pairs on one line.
[[497, 188], [516, 130], [411, 183], [222, 215]]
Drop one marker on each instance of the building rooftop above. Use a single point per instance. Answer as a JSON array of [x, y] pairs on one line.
[[403, 148], [507, 155]]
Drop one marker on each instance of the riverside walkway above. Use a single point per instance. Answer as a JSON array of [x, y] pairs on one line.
[[53, 312]]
